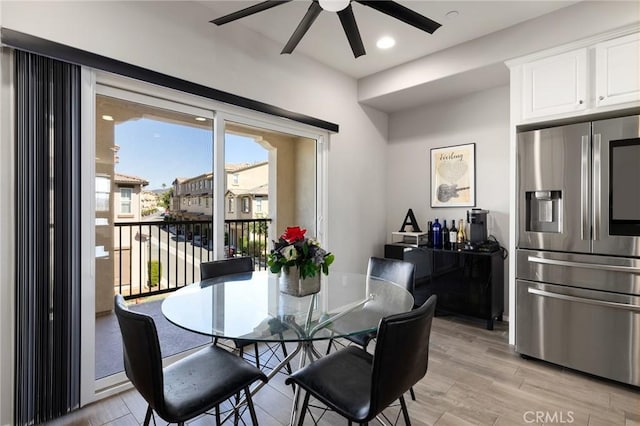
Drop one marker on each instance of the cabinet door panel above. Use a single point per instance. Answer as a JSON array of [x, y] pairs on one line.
[[463, 283], [618, 71], [555, 85]]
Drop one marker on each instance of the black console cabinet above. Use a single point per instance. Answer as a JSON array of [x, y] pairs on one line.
[[466, 283]]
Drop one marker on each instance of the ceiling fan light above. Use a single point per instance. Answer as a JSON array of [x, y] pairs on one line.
[[334, 5], [385, 42]]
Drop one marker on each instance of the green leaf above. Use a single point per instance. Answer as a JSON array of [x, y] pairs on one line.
[[275, 268], [328, 259]]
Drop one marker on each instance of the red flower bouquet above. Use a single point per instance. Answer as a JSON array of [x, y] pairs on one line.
[[293, 249]]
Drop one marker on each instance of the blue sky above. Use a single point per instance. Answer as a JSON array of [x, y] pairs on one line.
[[159, 152]]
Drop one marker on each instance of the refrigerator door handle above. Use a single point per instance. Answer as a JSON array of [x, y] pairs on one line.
[[612, 268], [584, 189], [615, 305], [597, 185]]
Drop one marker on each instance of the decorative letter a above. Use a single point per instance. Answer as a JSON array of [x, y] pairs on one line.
[[410, 219]]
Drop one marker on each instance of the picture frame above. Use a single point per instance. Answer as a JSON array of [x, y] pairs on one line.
[[453, 176]]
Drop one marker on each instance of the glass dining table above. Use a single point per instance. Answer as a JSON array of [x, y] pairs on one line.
[[250, 306]]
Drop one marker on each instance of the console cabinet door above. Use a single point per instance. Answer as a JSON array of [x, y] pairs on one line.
[[618, 71], [555, 85]]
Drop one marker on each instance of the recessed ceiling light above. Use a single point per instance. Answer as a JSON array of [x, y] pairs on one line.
[[201, 119], [385, 42], [107, 118], [452, 14]]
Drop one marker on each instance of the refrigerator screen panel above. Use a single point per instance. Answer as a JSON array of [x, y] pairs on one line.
[[624, 201]]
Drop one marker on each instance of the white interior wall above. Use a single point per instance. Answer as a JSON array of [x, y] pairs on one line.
[[481, 118]]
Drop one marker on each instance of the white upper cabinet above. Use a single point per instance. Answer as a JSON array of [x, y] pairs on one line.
[[618, 71], [600, 74], [555, 85]]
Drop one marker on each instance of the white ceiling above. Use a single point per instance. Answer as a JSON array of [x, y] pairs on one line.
[[325, 41]]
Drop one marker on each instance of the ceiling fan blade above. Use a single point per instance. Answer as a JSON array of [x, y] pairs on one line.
[[304, 25], [402, 13], [248, 11], [348, 22]]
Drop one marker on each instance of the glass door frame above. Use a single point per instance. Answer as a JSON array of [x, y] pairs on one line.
[[111, 384], [101, 83]]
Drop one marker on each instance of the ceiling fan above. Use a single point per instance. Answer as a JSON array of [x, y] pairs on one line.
[[345, 13]]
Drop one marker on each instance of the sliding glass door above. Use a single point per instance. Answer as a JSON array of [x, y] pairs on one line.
[[176, 184]]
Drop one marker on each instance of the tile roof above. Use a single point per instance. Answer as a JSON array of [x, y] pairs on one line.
[[258, 190], [122, 178]]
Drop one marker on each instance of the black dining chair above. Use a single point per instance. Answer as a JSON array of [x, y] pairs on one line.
[[359, 385], [187, 388], [394, 270], [236, 265], [233, 265]]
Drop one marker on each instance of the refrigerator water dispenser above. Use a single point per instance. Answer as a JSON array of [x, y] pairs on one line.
[[544, 211]]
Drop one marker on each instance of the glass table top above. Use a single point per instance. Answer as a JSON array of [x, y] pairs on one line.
[[251, 306]]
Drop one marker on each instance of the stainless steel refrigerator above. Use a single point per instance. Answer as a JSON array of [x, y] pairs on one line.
[[578, 249]]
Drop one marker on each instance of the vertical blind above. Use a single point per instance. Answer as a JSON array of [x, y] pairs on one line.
[[47, 371]]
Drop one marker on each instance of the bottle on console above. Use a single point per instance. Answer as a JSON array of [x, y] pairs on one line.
[[437, 234], [445, 237], [429, 234], [453, 235], [461, 237]]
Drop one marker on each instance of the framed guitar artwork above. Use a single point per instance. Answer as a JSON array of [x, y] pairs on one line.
[[453, 176]]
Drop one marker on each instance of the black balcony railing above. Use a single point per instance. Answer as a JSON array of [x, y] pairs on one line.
[[161, 256]]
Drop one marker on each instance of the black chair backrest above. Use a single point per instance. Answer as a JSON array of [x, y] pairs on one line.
[[394, 270], [142, 356], [233, 265], [401, 356]]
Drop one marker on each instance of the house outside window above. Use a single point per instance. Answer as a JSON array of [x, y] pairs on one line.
[[236, 179], [246, 204], [125, 200], [230, 205], [258, 205]]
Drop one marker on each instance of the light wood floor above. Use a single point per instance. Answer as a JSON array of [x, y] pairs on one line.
[[474, 378]]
